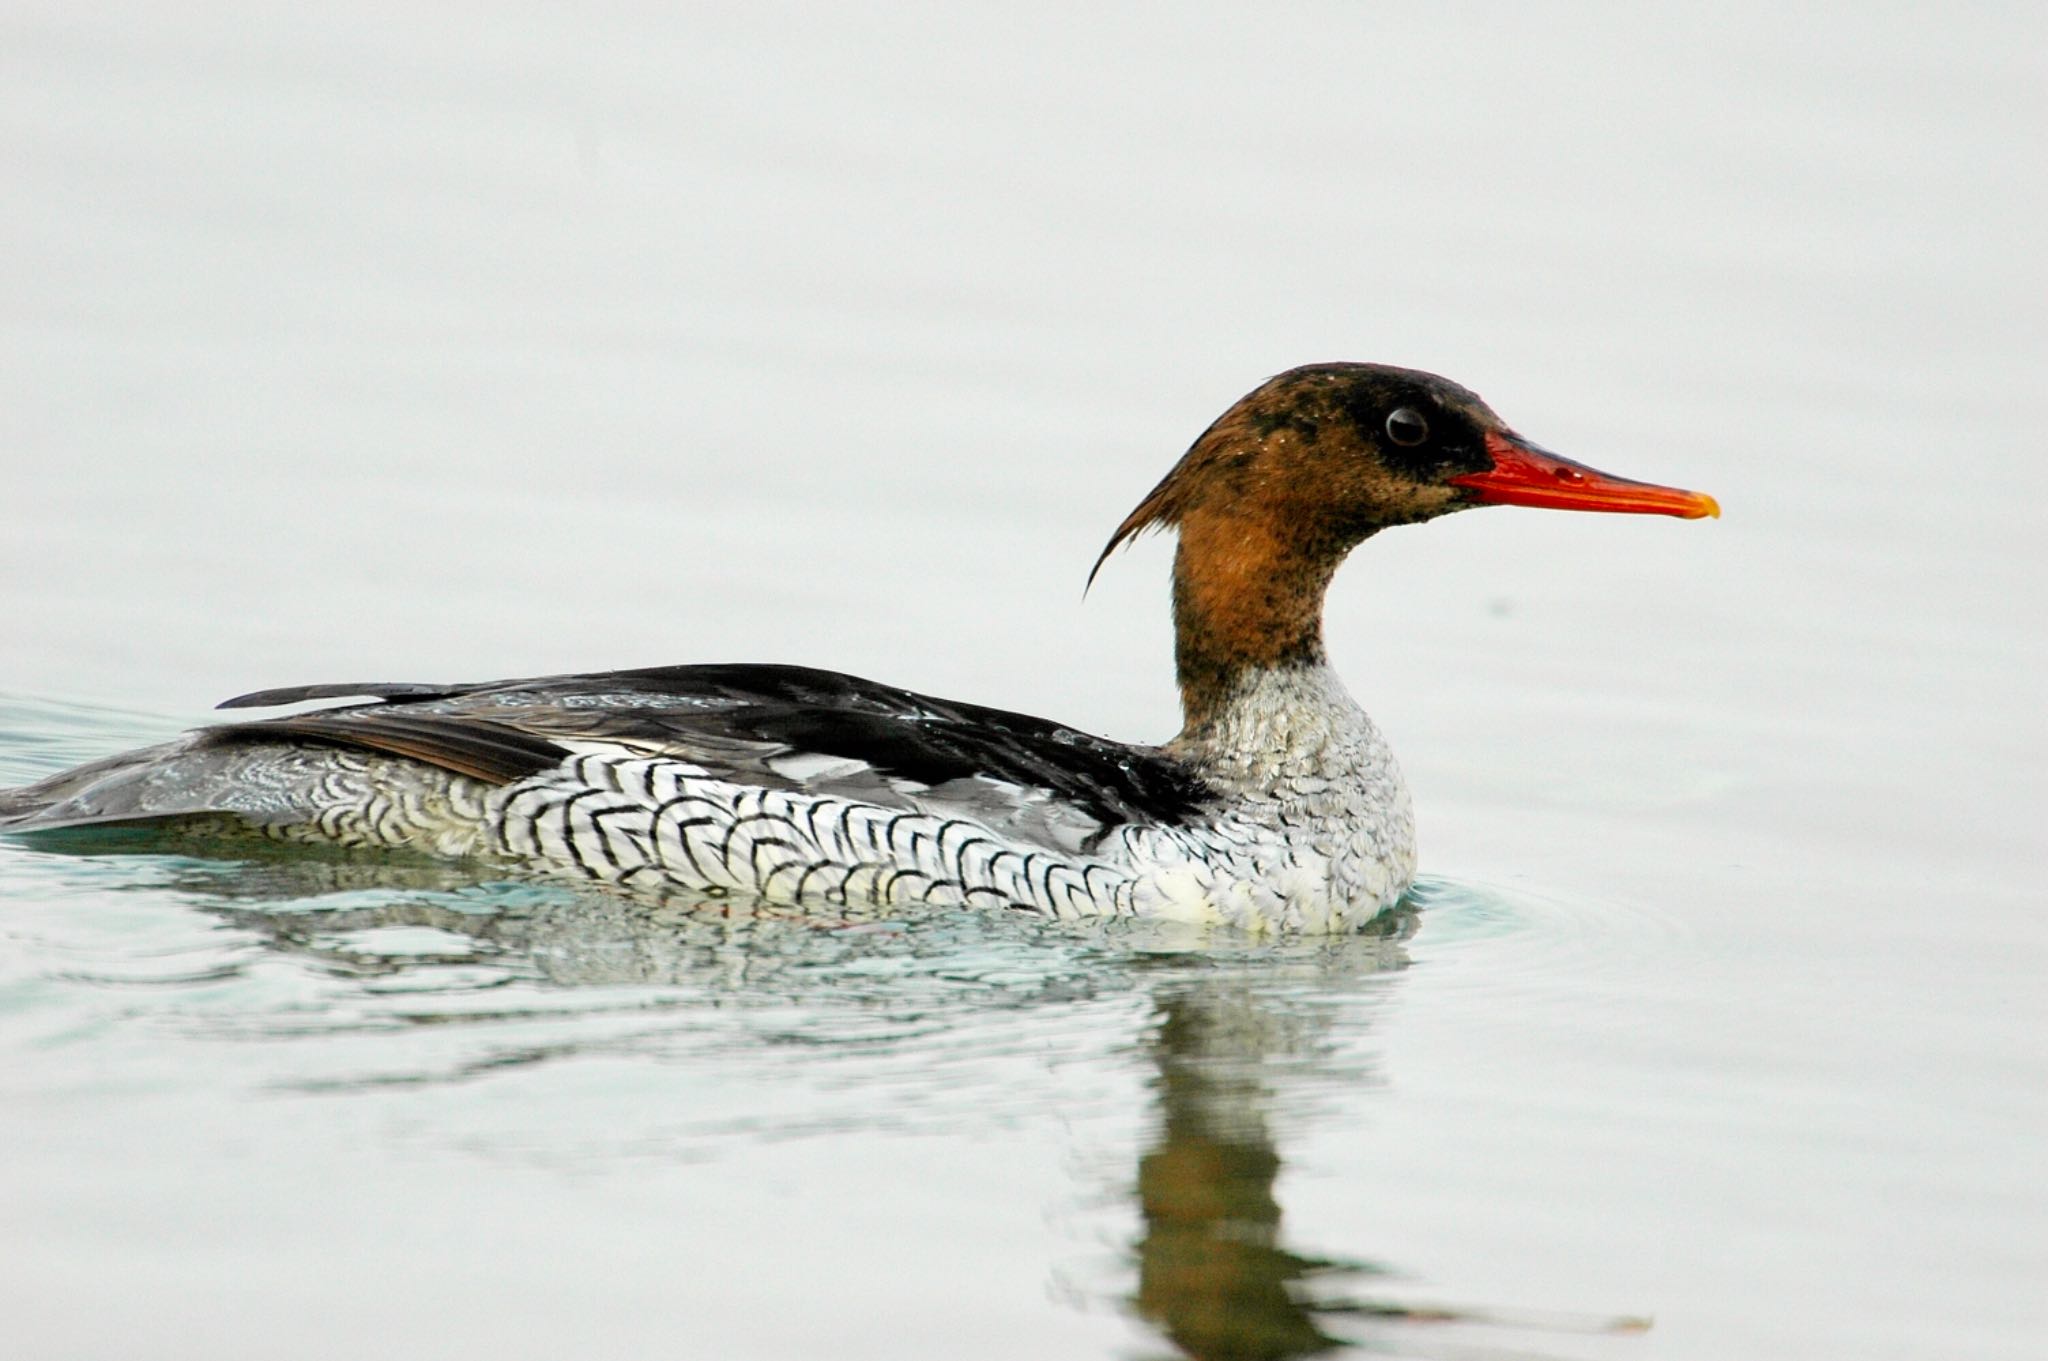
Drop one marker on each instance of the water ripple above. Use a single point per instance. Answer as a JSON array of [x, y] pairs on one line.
[[1510, 938]]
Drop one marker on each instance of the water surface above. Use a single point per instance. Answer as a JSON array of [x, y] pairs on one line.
[[353, 342]]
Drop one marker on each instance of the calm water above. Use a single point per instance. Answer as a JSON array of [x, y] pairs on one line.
[[396, 343]]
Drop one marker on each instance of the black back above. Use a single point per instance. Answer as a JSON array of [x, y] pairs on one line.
[[505, 730]]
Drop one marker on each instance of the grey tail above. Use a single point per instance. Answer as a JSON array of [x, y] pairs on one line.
[[175, 779], [255, 784]]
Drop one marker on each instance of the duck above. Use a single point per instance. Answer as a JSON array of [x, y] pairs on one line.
[[1277, 807]]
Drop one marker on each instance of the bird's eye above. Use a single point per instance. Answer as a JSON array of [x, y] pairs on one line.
[[1406, 427]]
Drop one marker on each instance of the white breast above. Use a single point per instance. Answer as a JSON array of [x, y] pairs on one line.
[[1318, 830]]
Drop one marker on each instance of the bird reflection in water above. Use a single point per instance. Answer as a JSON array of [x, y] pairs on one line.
[[1214, 1273], [1239, 1027]]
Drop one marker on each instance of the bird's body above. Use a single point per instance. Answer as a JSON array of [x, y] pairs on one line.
[[1279, 805]]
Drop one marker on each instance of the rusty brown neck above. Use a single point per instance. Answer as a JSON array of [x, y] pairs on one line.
[[1247, 596]]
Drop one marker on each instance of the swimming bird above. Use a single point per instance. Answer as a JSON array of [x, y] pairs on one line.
[[1277, 806]]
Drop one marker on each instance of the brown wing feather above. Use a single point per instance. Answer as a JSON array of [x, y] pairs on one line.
[[474, 747]]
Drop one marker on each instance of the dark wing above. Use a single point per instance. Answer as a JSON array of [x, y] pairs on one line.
[[771, 725], [293, 694]]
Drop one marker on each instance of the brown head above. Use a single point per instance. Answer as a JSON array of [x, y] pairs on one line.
[[1307, 466]]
